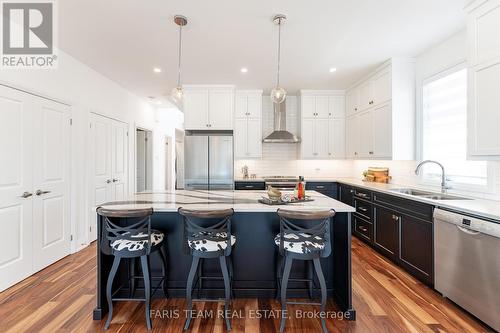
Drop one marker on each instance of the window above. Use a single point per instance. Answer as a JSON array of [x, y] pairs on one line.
[[444, 130]]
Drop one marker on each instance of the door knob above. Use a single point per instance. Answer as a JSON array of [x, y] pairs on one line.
[[40, 192], [26, 195], [108, 181], [115, 180]]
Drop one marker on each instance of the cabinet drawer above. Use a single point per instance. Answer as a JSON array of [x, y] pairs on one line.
[[326, 188], [363, 208], [363, 194], [363, 228], [249, 186], [411, 207]]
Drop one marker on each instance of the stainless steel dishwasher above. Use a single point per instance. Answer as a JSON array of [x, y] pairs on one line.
[[467, 263]]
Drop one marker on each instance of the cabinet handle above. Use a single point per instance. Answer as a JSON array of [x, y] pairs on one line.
[[364, 229], [320, 186], [351, 191], [355, 109], [362, 195], [363, 209], [115, 180], [108, 181], [40, 192], [355, 153], [370, 152], [395, 217], [330, 114], [26, 195], [248, 186]]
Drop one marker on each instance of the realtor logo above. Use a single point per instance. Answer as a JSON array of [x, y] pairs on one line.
[[28, 34]]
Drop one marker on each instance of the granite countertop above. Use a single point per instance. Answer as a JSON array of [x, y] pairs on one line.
[[481, 207], [240, 201]]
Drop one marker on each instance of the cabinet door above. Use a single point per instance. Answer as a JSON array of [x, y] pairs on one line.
[[240, 105], [220, 109], [483, 27], [336, 138], [484, 111], [254, 137], [416, 253], [346, 194], [352, 101], [382, 91], [321, 106], [352, 136], [336, 106], [382, 131], [307, 107], [196, 109], [307, 143], [240, 138], [366, 94], [254, 105], [386, 231], [365, 132], [321, 138]]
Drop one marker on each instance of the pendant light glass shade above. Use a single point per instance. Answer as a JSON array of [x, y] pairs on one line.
[[177, 93], [278, 95]]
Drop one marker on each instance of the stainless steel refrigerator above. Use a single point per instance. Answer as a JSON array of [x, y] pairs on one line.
[[208, 161]]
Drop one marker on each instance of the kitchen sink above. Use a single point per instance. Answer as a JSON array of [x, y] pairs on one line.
[[428, 195]]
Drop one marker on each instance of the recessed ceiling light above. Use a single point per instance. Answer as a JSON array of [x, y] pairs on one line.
[[333, 69], [244, 70], [157, 70]]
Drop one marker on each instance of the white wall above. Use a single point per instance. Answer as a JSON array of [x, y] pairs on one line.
[[166, 121], [86, 91]]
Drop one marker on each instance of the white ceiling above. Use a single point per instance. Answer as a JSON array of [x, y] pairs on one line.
[[125, 39]]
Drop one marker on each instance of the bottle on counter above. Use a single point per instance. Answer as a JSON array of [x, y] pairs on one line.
[[301, 188]]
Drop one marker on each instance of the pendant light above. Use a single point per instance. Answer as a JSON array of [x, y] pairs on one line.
[[177, 93], [278, 94]]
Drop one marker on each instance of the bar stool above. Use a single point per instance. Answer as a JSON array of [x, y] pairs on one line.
[[306, 238], [136, 240], [207, 235]]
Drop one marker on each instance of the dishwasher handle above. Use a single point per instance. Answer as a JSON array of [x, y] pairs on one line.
[[468, 231]]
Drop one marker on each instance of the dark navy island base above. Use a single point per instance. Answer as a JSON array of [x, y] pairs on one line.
[[254, 259]]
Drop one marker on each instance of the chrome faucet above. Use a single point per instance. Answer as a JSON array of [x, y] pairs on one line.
[[444, 187]]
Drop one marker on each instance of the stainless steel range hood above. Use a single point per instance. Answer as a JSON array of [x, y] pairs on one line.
[[280, 134]]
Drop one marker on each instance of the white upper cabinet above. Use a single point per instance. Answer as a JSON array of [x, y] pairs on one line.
[[483, 27], [196, 109], [322, 124], [248, 124], [381, 113], [208, 107]]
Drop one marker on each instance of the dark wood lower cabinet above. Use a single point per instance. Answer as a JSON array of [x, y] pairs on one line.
[[416, 249], [386, 233]]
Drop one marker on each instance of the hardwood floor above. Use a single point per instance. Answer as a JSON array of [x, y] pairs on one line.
[[61, 298]]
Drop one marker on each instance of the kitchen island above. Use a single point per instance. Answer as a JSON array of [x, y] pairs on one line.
[[254, 255]]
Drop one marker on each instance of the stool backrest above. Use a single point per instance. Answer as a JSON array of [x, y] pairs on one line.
[[314, 226], [140, 228], [212, 225]]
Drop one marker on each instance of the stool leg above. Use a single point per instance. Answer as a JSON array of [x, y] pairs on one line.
[[189, 290], [279, 269], [231, 272], [132, 275], [284, 285], [147, 288], [109, 289], [322, 283], [227, 288], [164, 271], [200, 280], [310, 276]]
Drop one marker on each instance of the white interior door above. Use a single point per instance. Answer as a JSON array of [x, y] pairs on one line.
[[51, 183], [16, 177], [140, 160], [119, 159]]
